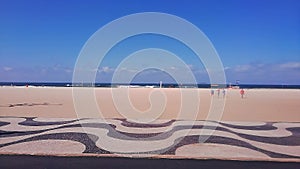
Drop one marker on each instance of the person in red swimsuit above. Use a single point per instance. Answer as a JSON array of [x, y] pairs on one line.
[[242, 92]]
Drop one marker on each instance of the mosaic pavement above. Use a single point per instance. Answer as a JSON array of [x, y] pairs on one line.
[[188, 139]]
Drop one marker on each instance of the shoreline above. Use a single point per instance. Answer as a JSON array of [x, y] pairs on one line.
[[144, 87], [151, 85]]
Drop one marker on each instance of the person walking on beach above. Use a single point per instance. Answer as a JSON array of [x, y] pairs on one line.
[[224, 92], [212, 92], [242, 92], [218, 91]]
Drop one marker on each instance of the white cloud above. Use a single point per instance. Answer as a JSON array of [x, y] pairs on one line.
[[288, 72], [227, 68], [7, 68], [105, 69], [173, 68], [290, 65], [68, 70], [242, 68]]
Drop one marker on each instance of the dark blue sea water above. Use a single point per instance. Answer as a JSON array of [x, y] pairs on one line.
[[166, 85]]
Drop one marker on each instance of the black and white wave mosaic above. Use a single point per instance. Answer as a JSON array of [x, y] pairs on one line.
[[198, 139]]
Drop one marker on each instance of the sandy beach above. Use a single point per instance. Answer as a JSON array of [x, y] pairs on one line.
[[266, 105]]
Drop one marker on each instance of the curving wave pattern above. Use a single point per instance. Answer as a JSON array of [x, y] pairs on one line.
[[175, 137]]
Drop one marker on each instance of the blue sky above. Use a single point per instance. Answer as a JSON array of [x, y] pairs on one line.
[[258, 41]]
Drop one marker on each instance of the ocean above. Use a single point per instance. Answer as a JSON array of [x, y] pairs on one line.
[[150, 85]]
